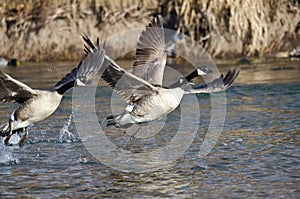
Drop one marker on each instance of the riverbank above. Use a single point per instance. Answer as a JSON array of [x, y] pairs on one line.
[[50, 30]]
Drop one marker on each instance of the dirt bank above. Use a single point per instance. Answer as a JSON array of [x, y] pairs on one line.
[[50, 30]]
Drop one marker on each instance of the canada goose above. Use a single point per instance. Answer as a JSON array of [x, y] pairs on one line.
[[37, 105], [142, 89]]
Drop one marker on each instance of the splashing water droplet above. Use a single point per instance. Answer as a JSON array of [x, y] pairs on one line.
[[6, 156], [64, 133], [82, 160], [14, 139]]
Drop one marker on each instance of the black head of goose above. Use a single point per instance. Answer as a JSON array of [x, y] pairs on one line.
[[142, 89], [35, 104]]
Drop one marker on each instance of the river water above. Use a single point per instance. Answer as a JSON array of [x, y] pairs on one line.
[[257, 155]]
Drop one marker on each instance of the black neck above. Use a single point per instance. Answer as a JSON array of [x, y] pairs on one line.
[[192, 75], [61, 90]]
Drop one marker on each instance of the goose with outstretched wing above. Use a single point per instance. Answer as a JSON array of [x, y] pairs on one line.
[[142, 89], [35, 104]]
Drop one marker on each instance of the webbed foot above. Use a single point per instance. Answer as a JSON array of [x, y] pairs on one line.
[[131, 137], [24, 138]]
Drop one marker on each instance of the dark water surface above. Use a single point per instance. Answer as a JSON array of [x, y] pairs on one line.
[[257, 154]]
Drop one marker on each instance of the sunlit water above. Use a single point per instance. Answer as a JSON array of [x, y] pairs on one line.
[[257, 154]]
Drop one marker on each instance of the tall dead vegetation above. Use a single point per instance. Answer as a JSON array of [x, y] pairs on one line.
[[47, 30], [235, 28]]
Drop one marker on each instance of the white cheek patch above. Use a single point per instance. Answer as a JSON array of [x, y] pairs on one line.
[[79, 83], [12, 117], [200, 72], [129, 107], [13, 93]]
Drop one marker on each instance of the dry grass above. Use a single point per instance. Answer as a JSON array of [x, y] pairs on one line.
[[50, 30], [239, 28]]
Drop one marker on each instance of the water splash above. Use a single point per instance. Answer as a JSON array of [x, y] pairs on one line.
[[82, 160], [14, 139], [6, 156], [64, 134]]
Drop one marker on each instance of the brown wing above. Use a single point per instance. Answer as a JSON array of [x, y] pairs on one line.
[[129, 86], [150, 53], [11, 90]]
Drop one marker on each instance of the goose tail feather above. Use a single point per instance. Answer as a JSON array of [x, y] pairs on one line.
[[111, 120]]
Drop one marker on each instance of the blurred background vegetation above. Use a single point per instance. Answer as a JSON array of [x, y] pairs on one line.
[[46, 30]]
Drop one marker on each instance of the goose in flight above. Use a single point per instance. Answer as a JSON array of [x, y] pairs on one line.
[[36, 105], [142, 89]]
